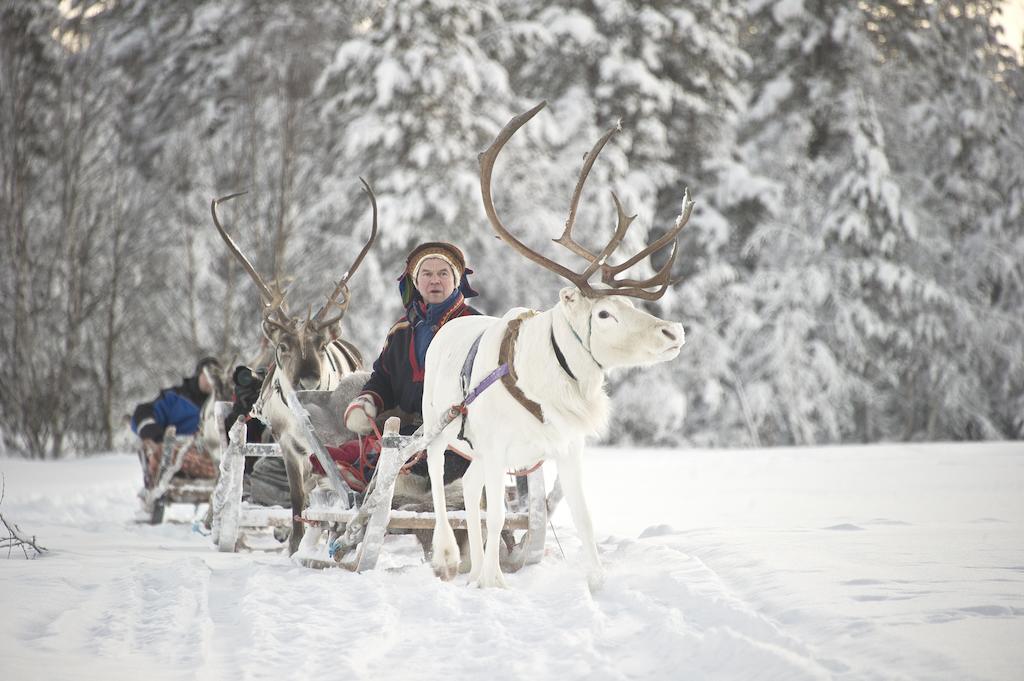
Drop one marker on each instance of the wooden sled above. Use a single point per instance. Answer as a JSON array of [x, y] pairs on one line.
[[356, 525], [231, 517], [170, 488]]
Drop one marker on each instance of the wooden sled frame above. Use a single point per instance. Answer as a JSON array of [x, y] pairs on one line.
[[169, 489], [356, 525], [229, 518]]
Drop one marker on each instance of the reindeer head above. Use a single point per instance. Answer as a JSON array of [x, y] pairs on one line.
[[616, 333], [299, 348], [602, 316], [300, 345]]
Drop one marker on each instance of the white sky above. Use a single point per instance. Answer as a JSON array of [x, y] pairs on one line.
[[1013, 23]]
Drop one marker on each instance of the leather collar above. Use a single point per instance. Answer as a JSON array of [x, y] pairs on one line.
[[560, 357]]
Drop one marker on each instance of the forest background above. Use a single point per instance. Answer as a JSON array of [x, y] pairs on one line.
[[853, 270]]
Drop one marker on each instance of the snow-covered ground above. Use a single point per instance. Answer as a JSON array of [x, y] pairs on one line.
[[879, 562]]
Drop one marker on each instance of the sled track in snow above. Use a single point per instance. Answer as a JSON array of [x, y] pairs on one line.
[[788, 565]]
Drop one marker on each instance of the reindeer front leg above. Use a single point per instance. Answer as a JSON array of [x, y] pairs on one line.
[[445, 554], [472, 486], [494, 481], [570, 472], [293, 466]]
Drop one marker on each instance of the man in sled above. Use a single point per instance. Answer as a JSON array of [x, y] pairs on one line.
[[434, 286], [179, 406]]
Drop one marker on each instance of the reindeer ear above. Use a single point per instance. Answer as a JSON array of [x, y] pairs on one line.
[[569, 295], [268, 330], [332, 332]]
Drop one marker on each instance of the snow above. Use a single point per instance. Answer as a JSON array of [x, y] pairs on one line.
[[872, 562], [787, 9], [571, 25]]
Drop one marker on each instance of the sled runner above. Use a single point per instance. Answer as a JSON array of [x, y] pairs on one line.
[[355, 524], [168, 484], [231, 516]]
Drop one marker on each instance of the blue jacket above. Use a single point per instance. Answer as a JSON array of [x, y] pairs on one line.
[[178, 406]]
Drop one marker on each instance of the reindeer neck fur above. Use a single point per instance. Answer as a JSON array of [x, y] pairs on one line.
[[579, 403], [271, 405]]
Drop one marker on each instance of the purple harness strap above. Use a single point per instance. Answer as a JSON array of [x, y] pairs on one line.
[[505, 373], [467, 371], [489, 380]]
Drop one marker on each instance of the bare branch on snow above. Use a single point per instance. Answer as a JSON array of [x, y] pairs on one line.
[[15, 536]]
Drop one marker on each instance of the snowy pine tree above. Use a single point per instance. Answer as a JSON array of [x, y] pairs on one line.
[[410, 100], [671, 73], [852, 270], [222, 102], [959, 87]]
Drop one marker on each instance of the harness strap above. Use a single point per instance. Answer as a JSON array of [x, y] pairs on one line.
[[586, 346], [560, 357], [505, 356], [467, 366], [523, 472], [498, 374], [505, 373], [352, 354], [334, 365], [467, 373]]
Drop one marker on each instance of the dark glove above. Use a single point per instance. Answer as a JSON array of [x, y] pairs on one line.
[[152, 431]]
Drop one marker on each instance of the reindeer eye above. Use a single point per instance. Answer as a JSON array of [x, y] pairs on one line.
[[282, 348], [604, 314]]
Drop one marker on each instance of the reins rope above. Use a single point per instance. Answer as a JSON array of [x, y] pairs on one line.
[[590, 334]]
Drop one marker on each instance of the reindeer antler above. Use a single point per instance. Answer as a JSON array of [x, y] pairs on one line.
[[623, 287], [273, 296], [332, 300]]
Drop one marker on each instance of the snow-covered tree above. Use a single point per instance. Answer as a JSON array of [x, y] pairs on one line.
[[959, 142], [63, 179], [886, 310], [853, 269], [672, 73], [30, 65], [410, 100], [221, 102], [838, 204]]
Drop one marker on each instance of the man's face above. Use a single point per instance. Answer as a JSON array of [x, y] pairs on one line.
[[435, 280]]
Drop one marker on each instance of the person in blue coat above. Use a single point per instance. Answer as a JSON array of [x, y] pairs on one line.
[[179, 406]]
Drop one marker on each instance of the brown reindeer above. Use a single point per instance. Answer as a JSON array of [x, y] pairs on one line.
[[308, 354]]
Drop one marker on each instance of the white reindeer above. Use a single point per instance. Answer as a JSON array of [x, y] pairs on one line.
[[553, 396], [308, 355]]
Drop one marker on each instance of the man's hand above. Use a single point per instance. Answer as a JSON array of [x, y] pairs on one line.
[[360, 414]]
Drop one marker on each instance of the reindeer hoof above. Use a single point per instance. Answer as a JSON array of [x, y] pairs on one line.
[[445, 554], [595, 580], [445, 563], [490, 579], [446, 569]]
